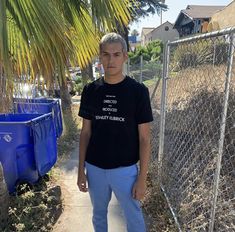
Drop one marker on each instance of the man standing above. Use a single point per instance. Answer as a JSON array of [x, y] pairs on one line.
[[115, 135]]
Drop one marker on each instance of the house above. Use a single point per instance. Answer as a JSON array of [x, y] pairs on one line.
[[145, 31], [195, 19], [223, 18], [164, 32]]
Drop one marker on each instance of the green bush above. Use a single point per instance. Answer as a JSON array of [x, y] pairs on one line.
[[198, 53], [78, 88], [151, 52]]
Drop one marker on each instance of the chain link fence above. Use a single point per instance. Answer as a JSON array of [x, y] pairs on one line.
[[197, 131], [145, 71], [150, 73]]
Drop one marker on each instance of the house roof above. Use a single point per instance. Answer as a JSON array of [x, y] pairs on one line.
[[146, 30], [162, 25], [198, 12]]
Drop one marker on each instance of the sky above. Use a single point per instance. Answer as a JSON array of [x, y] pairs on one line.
[[174, 8]]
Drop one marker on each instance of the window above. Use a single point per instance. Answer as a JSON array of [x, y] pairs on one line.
[[166, 28]]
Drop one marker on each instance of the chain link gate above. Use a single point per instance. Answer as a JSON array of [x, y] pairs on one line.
[[197, 131]]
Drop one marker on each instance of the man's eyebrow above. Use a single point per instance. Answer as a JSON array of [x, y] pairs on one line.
[[112, 53]]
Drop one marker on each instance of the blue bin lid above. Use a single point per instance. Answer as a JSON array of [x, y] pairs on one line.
[[21, 118]]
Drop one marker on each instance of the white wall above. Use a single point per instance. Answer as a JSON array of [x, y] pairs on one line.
[[162, 34]]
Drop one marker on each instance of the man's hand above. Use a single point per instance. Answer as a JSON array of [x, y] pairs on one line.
[[82, 182], [139, 189]]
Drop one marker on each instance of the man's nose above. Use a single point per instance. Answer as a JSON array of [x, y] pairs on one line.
[[111, 58]]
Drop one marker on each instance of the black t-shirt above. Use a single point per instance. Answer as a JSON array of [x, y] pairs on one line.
[[115, 110]]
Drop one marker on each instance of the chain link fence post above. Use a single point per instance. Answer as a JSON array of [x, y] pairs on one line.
[[141, 68], [222, 131], [163, 110], [162, 128]]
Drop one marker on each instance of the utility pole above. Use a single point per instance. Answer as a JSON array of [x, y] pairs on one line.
[[162, 2], [161, 16]]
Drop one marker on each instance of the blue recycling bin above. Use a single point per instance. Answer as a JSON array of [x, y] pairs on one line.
[[28, 147], [41, 106]]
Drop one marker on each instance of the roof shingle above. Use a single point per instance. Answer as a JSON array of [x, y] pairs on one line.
[[199, 11]]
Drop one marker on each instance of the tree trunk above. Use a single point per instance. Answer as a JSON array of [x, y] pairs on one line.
[[4, 199], [125, 34], [64, 95], [87, 74], [6, 92], [65, 105], [123, 31]]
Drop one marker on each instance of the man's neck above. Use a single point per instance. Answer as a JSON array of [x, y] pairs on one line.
[[113, 79]]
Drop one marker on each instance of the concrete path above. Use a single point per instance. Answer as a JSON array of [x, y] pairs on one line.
[[77, 213]]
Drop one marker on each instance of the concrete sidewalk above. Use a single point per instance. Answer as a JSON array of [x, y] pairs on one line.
[[77, 213]]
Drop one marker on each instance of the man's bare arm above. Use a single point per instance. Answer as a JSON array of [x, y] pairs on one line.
[[83, 143], [144, 152]]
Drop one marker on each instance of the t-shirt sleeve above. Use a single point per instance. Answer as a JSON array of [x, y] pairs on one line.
[[85, 108], [144, 110]]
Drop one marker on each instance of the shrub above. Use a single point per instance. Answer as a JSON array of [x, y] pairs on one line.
[[198, 53]]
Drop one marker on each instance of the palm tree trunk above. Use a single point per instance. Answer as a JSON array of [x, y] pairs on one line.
[[87, 74], [122, 29], [6, 92], [64, 95], [4, 199]]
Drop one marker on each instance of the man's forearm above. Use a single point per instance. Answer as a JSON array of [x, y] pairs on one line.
[[144, 149], [83, 143], [140, 185]]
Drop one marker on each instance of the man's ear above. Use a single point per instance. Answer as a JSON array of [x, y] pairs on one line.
[[126, 56]]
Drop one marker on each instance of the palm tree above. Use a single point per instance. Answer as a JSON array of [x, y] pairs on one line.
[[4, 199], [44, 37]]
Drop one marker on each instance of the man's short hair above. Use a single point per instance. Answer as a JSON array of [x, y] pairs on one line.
[[113, 38]]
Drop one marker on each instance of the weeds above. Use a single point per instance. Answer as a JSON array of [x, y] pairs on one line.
[[35, 210]]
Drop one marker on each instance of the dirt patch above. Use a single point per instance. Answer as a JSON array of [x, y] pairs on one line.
[[36, 209], [155, 207]]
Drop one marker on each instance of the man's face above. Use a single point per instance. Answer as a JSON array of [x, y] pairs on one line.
[[113, 57]]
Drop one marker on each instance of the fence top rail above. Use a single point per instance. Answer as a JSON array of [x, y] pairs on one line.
[[226, 31]]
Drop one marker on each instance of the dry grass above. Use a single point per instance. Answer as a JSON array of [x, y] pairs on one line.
[[158, 215], [194, 106], [70, 136]]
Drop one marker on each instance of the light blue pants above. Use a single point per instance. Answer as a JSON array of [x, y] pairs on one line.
[[101, 184]]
